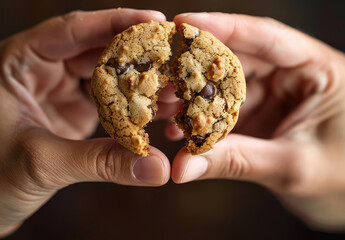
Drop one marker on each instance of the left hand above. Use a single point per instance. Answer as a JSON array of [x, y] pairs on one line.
[[46, 112]]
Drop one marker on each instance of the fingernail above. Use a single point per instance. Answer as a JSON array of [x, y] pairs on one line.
[[196, 167], [149, 170], [190, 13], [157, 14], [184, 14]]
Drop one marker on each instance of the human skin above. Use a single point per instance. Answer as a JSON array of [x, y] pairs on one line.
[[290, 136], [46, 114]]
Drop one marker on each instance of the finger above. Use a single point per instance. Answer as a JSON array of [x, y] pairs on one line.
[[254, 67], [58, 162], [82, 66], [70, 105], [9, 230], [168, 110], [173, 132], [242, 158], [310, 95], [86, 88], [167, 95], [262, 37], [69, 35], [257, 72], [256, 95]]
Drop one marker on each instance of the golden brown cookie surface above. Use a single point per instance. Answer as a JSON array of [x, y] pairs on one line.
[[210, 80], [127, 80], [130, 73]]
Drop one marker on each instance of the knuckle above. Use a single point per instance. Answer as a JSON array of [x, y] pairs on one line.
[[12, 58], [280, 34], [107, 164], [69, 21], [236, 165], [272, 21], [72, 16], [41, 165], [31, 155], [297, 180]]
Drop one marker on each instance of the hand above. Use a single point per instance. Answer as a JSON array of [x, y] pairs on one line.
[[292, 126], [43, 108]]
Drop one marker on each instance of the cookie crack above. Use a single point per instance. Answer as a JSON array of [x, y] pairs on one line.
[[214, 88]]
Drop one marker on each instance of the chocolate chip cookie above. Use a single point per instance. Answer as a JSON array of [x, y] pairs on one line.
[[133, 69], [210, 80], [127, 80]]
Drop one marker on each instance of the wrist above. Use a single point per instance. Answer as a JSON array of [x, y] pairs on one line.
[[322, 213]]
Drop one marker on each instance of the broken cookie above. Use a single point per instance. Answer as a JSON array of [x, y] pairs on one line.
[[133, 69], [210, 80]]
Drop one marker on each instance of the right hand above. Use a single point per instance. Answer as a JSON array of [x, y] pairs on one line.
[[292, 125]]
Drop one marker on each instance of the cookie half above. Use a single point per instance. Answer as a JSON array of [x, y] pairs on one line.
[[127, 80], [210, 80]]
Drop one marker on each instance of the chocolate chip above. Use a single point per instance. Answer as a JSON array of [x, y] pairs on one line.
[[112, 62], [153, 114], [219, 120], [208, 92], [188, 75], [179, 94], [143, 67], [198, 140], [187, 120], [189, 41], [120, 69]]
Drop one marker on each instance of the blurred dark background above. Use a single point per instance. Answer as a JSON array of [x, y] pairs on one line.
[[200, 210]]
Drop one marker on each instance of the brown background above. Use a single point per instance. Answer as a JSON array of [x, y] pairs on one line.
[[200, 210]]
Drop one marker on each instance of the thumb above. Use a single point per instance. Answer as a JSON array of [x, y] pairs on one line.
[[268, 162], [56, 162]]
